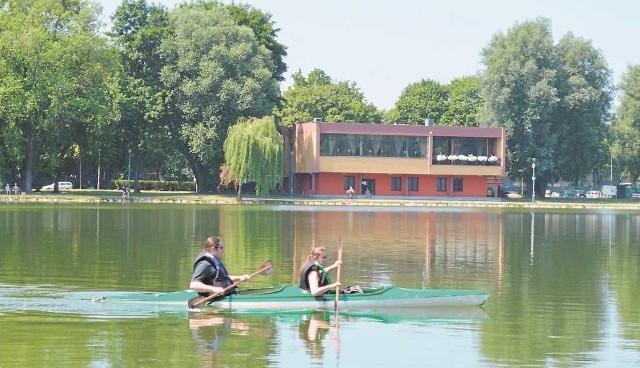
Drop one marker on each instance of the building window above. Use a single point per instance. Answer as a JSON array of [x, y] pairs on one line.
[[457, 184], [396, 183], [332, 144], [412, 184], [441, 184], [349, 182], [441, 146]]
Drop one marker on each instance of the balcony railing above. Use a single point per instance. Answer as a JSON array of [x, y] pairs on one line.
[[466, 160]]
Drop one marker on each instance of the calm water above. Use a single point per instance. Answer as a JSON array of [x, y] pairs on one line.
[[564, 286]]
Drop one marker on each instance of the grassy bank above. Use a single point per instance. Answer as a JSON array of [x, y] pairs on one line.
[[107, 196]]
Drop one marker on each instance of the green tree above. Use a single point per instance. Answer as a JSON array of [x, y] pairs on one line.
[[626, 128], [542, 94], [463, 103], [419, 101], [318, 96], [260, 23], [586, 92], [253, 151], [215, 72], [266, 33], [138, 30], [55, 81]]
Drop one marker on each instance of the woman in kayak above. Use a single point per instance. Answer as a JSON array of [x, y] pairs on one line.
[[314, 277], [209, 274]]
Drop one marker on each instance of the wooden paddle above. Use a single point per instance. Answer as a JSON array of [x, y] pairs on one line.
[[335, 305], [265, 268]]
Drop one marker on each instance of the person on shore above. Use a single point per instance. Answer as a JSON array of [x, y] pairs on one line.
[[351, 193], [314, 277], [210, 276], [7, 189], [16, 189]]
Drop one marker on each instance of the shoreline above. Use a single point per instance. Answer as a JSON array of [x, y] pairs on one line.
[[115, 196]]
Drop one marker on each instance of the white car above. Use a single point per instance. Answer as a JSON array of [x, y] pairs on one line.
[[61, 185], [594, 194]]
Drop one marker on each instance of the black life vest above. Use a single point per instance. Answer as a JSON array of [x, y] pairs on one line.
[[220, 276], [312, 266]]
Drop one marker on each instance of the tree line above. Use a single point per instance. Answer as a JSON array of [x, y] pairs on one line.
[[165, 88]]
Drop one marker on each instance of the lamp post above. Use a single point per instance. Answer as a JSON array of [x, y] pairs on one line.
[[129, 174], [291, 173], [611, 170], [533, 180]]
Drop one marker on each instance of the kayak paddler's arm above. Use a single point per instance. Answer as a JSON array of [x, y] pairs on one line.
[[334, 265], [240, 278], [316, 290], [322, 290], [201, 287]]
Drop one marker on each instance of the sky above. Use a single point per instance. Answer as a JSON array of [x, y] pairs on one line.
[[384, 46]]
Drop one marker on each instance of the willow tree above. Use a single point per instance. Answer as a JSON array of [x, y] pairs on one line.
[[253, 152]]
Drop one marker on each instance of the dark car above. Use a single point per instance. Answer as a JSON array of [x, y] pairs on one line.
[[580, 193], [567, 194]]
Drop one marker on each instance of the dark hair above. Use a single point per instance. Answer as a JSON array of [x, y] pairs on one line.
[[212, 242]]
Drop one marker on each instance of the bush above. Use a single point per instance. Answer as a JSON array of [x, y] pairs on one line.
[[183, 186]]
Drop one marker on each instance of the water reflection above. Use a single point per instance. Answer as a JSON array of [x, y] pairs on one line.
[[313, 329], [209, 332], [564, 284], [533, 234]]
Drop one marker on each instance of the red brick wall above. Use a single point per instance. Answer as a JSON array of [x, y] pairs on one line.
[[332, 184]]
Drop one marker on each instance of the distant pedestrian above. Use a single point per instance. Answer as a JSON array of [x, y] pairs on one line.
[[16, 189], [7, 189], [351, 193]]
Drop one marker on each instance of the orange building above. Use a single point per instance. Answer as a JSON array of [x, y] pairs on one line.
[[394, 160]]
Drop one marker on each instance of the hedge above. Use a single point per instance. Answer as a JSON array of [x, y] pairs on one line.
[[167, 185]]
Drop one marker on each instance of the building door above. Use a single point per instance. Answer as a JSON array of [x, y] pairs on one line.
[[368, 184]]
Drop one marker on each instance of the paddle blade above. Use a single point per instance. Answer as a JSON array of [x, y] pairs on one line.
[[194, 302], [266, 268]]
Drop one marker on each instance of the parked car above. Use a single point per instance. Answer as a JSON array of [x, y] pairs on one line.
[[567, 194], [61, 185], [580, 194], [594, 194]]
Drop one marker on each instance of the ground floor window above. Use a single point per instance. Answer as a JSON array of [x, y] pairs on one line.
[[441, 184], [412, 184], [457, 184], [349, 182], [396, 183]]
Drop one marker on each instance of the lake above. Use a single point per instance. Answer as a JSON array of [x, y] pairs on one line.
[[563, 283]]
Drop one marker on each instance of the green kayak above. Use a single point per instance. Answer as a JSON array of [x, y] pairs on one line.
[[294, 298]]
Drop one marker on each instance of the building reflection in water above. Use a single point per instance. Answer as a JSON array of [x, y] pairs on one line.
[[385, 246]]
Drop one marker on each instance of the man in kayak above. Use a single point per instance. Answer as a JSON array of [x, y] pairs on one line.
[[209, 274], [314, 277]]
